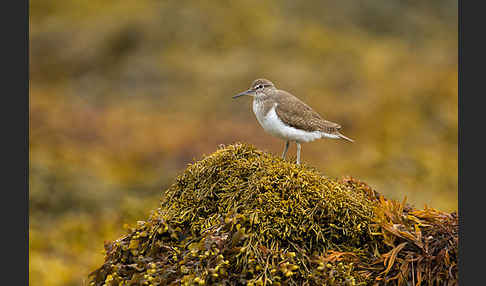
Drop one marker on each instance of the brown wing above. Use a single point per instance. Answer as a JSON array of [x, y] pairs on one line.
[[293, 112]]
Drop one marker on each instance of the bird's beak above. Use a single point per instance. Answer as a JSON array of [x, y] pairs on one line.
[[248, 92]]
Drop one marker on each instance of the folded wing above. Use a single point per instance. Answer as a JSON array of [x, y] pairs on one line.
[[297, 114]]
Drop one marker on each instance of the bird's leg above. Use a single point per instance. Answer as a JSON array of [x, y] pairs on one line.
[[286, 148], [298, 152]]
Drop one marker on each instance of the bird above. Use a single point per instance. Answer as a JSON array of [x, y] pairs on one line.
[[285, 116]]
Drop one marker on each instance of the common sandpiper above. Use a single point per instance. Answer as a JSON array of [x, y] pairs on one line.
[[285, 116]]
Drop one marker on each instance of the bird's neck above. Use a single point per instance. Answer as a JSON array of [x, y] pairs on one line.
[[262, 104], [264, 97]]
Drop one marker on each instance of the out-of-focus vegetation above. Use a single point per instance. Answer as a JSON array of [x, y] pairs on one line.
[[123, 95]]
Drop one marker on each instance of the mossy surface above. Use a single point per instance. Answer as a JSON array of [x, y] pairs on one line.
[[244, 217]]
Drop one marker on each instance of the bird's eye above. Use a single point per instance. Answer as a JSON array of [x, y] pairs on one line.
[[260, 86]]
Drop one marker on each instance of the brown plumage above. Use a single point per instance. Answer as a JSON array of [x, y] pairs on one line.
[[293, 112]]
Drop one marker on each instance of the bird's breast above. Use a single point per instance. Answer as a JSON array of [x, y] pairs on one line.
[[259, 110]]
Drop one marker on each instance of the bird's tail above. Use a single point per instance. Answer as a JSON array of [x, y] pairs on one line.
[[344, 137]]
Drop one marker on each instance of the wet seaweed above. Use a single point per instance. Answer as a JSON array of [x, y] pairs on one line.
[[241, 216]]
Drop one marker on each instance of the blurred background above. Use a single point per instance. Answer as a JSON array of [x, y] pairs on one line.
[[125, 94]]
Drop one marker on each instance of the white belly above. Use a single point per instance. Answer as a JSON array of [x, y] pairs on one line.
[[273, 125]]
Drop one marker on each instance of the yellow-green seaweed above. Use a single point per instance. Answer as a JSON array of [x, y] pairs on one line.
[[245, 217]]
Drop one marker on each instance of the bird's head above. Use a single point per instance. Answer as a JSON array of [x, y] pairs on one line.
[[258, 88]]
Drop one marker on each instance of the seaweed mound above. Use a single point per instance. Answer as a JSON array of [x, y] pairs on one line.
[[245, 217]]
